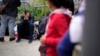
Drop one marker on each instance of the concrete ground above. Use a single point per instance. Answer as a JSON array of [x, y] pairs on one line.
[[24, 48], [19, 49]]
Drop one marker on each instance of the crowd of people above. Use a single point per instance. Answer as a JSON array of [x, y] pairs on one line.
[[61, 28]]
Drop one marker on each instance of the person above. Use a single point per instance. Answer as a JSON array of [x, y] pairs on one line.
[[59, 20], [8, 18], [77, 24], [74, 35], [42, 25], [25, 27]]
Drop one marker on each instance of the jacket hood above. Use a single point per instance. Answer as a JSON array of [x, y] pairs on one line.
[[62, 11]]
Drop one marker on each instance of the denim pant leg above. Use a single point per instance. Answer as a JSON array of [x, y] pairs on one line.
[[11, 25], [3, 25]]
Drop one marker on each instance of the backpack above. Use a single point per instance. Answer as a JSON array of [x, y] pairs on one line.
[[42, 24]]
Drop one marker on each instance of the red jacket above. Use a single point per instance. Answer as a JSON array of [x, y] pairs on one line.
[[56, 28]]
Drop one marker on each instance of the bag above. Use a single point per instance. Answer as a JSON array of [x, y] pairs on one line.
[[42, 48], [3, 6], [42, 24]]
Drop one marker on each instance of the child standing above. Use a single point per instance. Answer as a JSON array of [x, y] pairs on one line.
[[59, 20]]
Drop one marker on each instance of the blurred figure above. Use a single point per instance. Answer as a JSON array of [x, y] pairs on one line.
[[42, 25], [25, 27], [71, 38], [8, 18], [65, 47], [77, 5], [59, 20], [76, 26]]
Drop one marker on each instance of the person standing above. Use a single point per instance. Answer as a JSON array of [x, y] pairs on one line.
[[8, 18], [74, 36], [59, 21]]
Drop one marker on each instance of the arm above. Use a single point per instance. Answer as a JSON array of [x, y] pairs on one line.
[[60, 25]]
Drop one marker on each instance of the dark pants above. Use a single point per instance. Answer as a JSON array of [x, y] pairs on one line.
[[25, 30]]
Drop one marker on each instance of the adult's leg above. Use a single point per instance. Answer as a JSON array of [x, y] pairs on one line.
[[11, 25], [3, 27]]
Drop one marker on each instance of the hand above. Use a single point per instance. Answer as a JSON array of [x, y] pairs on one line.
[[42, 39], [25, 17]]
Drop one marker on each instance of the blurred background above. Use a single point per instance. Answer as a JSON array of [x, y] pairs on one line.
[[38, 8]]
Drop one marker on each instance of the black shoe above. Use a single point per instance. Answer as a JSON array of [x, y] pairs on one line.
[[1, 39], [18, 40], [12, 39], [30, 41]]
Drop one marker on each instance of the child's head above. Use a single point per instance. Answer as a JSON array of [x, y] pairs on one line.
[[27, 13], [54, 4]]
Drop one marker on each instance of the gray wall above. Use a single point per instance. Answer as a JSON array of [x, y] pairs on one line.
[[91, 37]]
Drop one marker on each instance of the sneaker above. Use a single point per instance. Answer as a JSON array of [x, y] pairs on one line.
[[12, 39], [1, 39]]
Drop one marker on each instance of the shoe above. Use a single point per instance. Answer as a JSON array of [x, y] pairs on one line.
[[1, 39], [30, 41], [12, 39], [18, 40]]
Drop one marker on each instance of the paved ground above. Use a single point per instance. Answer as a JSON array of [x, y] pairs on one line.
[[23, 48], [19, 49]]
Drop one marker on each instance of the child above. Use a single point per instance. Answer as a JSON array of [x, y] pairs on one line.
[[25, 28], [59, 20]]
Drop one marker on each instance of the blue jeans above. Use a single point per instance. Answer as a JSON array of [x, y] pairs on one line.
[[7, 21]]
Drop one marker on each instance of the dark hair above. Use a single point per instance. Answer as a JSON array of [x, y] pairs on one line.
[[26, 11], [63, 3]]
